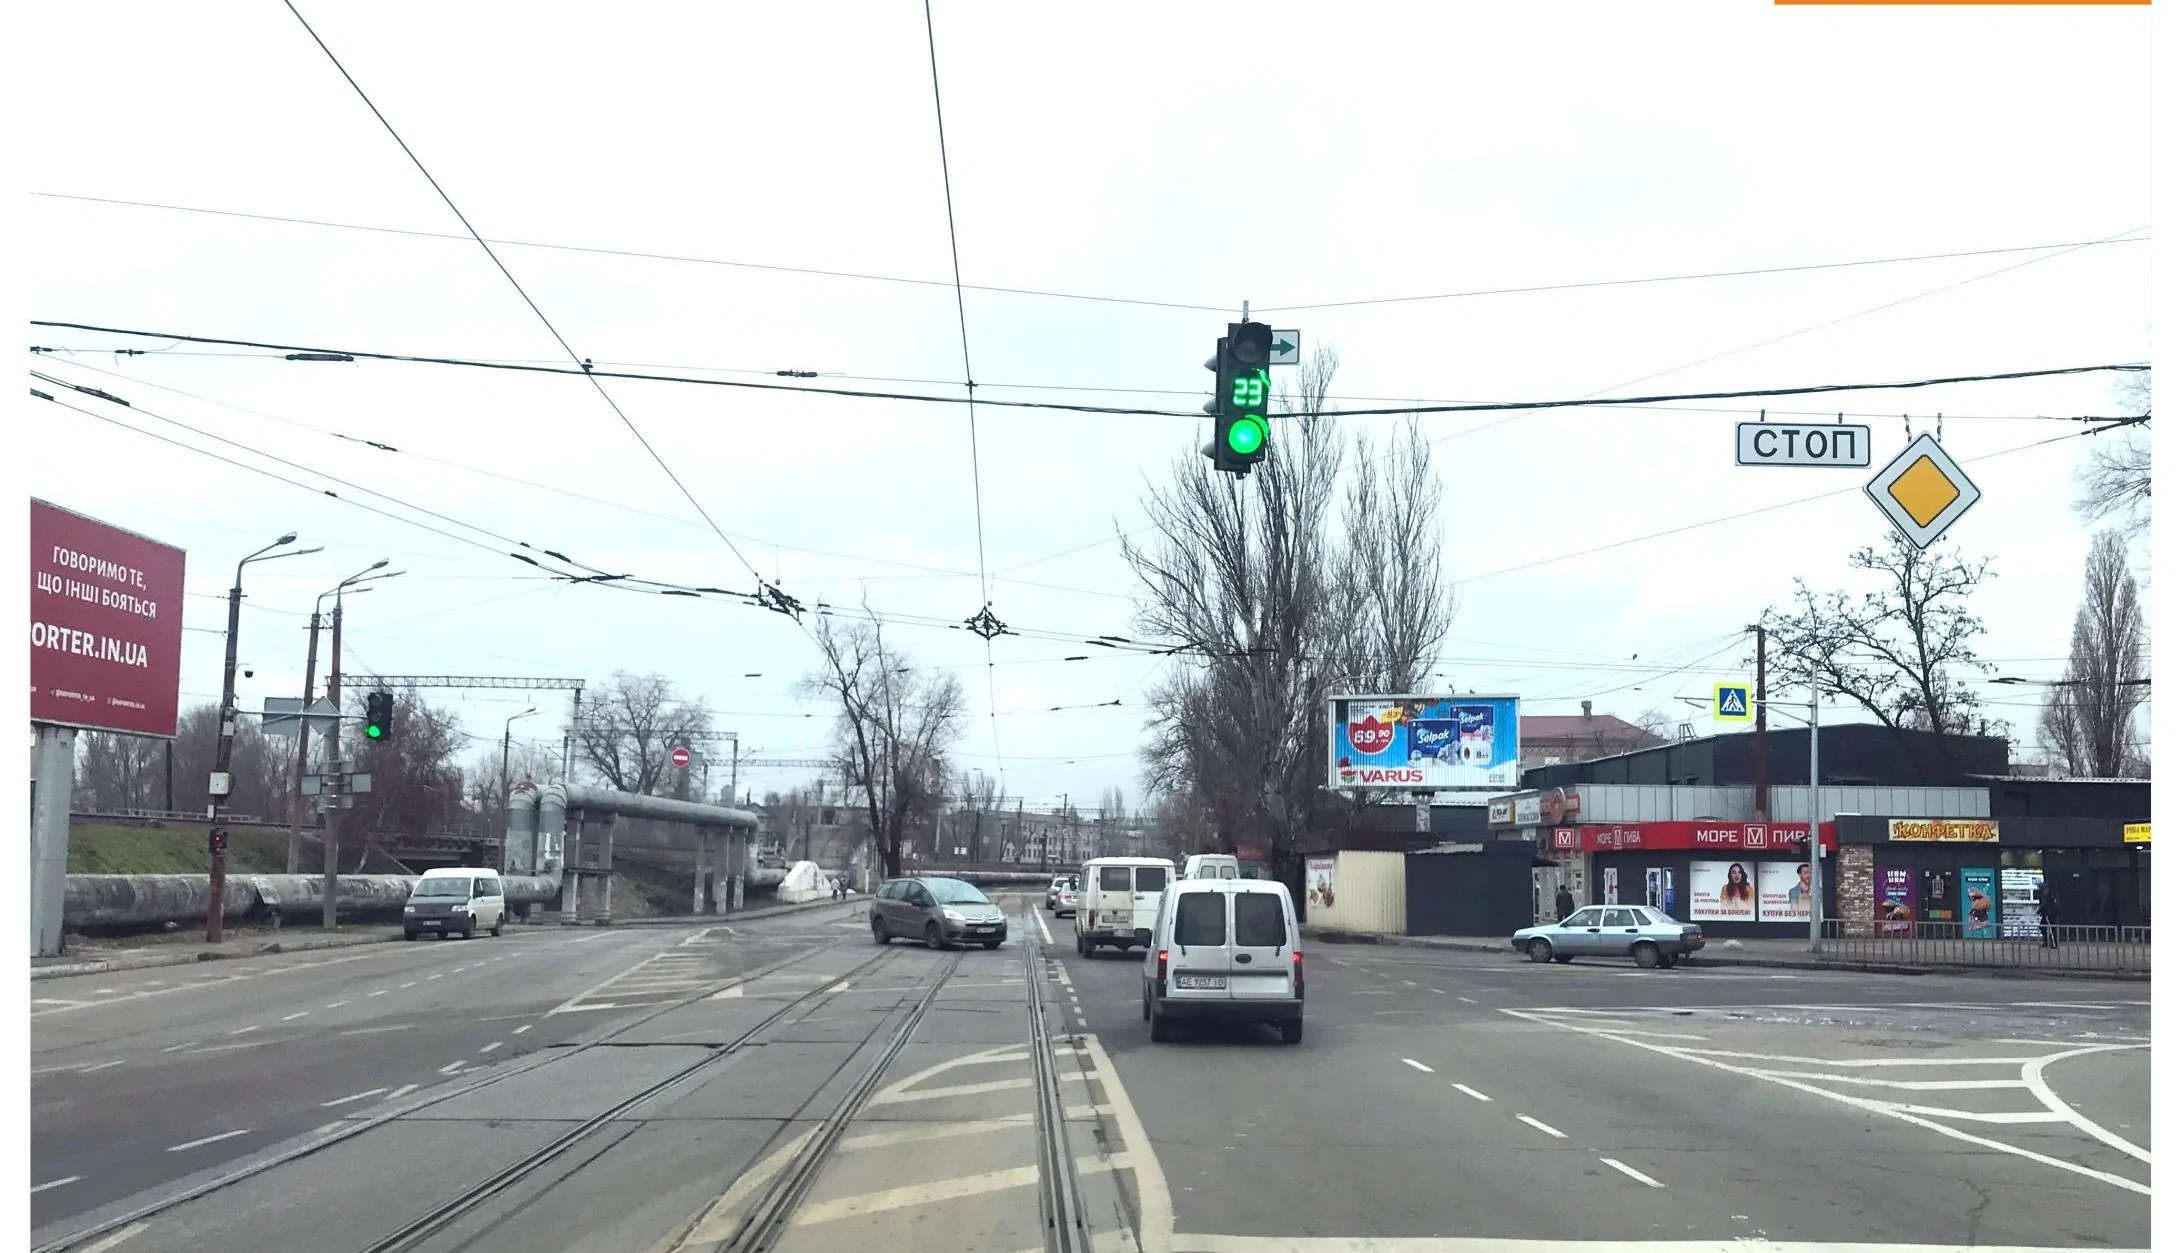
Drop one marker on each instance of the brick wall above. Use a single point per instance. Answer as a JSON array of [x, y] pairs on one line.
[[1852, 889]]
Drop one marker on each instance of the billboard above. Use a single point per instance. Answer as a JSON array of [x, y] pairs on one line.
[[1785, 889], [1722, 891], [1318, 882], [105, 625], [1425, 743]]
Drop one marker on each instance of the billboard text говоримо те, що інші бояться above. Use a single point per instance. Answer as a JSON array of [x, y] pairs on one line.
[[1425, 743], [105, 625]]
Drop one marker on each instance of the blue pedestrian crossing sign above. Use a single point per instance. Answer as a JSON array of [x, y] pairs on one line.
[[1731, 702]]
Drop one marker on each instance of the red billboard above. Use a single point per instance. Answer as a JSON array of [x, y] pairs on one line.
[[105, 625], [1724, 837]]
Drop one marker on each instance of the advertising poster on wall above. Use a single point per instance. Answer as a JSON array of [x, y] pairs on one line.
[[2019, 902], [1721, 891], [1784, 891], [1980, 904], [1610, 885], [1893, 890], [1318, 882], [105, 625], [1426, 743]]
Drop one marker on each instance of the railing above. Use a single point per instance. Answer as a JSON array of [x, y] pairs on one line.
[[2061, 946]]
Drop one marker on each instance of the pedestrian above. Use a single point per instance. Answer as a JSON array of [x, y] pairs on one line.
[[1563, 903], [2049, 913]]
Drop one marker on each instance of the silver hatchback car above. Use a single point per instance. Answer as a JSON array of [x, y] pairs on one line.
[[1651, 937]]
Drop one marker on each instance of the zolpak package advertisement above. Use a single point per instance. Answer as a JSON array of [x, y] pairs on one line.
[[1426, 743]]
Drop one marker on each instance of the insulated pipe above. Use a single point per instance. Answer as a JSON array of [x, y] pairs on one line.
[[631, 805], [115, 900], [551, 828], [521, 854]]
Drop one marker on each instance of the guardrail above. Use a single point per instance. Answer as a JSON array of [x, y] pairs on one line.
[[2060, 946]]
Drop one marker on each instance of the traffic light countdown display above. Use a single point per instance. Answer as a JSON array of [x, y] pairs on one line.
[[1241, 388], [379, 715]]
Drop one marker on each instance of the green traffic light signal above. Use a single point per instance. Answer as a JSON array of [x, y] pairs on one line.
[[374, 732], [1247, 436]]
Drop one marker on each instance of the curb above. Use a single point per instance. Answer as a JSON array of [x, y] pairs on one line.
[[1776, 963], [151, 961]]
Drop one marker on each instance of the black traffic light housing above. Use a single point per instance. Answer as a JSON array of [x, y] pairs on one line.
[[217, 838], [379, 716], [1242, 385]]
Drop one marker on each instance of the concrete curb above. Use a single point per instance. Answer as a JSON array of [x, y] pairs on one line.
[[149, 961], [1778, 963]]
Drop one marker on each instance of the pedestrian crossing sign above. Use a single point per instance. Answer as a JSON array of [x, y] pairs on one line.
[[1731, 702]]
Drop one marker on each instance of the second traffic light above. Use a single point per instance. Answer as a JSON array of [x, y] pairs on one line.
[[1241, 388], [379, 716]]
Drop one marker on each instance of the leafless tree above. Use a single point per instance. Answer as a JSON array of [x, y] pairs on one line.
[[2115, 479], [130, 772], [116, 772], [626, 734], [1899, 651], [1280, 587], [415, 784], [895, 725], [2089, 718]]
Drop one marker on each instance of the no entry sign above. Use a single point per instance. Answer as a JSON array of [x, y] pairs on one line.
[[680, 756]]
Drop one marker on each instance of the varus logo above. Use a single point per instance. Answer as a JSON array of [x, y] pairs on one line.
[[1379, 774]]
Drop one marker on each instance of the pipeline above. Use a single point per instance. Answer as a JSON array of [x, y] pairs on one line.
[[142, 900]]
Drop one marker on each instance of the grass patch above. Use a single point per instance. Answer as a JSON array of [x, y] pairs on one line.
[[99, 849]]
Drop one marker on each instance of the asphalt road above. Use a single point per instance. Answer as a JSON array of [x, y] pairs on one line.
[[1440, 1102]]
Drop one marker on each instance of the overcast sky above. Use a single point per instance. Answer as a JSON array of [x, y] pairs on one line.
[[1155, 153]]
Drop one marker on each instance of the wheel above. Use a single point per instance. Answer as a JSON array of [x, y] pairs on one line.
[[409, 935], [1646, 954], [1147, 1000], [990, 944], [1564, 958], [1162, 1030], [496, 925], [1082, 949], [1667, 960], [934, 938], [1291, 1031], [878, 931], [1540, 950]]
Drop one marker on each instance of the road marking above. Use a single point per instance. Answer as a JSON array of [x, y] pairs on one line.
[[934, 1131], [941, 1190], [380, 992], [53, 1183], [429, 978], [326, 1128], [452, 1067], [1633, 1173], [1443, 992], [353, 1096], [412, 983], [126, 1233], [1409, 983], [1419, 1065], [1044, 932], [525, 1027], [247, 1030], [301, 1013], [198, 1144], [1541, 1126], [400, 1092], [2034, 1078], [490, 1047], [176, 1048], [1207, 1243], [336, 1004], [1466, 1000], [1467, 1090]]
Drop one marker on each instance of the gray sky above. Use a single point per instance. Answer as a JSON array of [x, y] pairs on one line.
[[1397, 151]]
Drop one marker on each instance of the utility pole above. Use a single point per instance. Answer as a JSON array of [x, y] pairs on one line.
[[507, 734], [1759, 789], [328, 837], [170, 777], [222, 783], [302, 751], [1818, 893]]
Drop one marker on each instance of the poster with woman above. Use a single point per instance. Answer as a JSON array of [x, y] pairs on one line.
[[1721, 891], [1784, 891], [1980, 904], [1893, 890], [1318, 883]]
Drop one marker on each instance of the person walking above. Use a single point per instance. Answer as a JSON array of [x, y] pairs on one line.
[[2049, 914], [1563, 903]]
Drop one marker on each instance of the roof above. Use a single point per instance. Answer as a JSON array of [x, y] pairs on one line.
[[1579, 726], [2034, 779]]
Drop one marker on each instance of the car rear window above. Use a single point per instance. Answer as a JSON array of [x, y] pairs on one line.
[[1200, 918], [1113, 878], [1258, 921], [1151, 879]]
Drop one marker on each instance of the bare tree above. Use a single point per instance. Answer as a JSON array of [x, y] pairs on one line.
[[1900, 650], [130, 772], [1264, 582], [2115, 479], [2089, 718], [116, 772], [625, 735], [895, 726], [415, 784]]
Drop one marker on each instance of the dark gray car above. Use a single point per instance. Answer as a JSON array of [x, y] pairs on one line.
[[940, 911]]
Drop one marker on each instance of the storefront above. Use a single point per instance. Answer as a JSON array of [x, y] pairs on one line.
[[1746, 879], [1982, 878]]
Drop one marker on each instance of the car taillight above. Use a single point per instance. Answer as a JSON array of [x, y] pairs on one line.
[[1162, 979]]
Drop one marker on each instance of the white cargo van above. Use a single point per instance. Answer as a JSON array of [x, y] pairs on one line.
[[1116, 900], [1225, 950], [1212, 866], [455, 900]]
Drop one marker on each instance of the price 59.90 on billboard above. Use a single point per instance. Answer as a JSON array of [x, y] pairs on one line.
[[1425, 743], [105, 625]]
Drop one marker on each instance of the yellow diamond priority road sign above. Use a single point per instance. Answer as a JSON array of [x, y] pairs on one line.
[[1922, 491]]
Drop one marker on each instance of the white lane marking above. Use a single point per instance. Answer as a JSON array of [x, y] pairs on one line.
[[931, 1131], [1466, 1000], [1207, 1243], [380, 992], [1467, 1090], [452, 1067], [53, 1183], [229, 1048], [412, 983], [525, 1027], [1045, 933], [198, 1144], [1082, 1022], [259, 1026], [336, 1004], [1910, 1085], [429, 978], [301, 1013], [1633, 1173], [328, 1127], [1558, 1135], [490, 1047], [126, 1233], [1155, 1201], [396, 1026], [365, 1095], [1443, 992], [943, 1190], [176, 1048], [227, 977], [2034, 1078], [400, 1092], [1419, 1065]]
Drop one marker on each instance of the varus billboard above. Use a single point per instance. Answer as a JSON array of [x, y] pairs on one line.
[[1425, 743]]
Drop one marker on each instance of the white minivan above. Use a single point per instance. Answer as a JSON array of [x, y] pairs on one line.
[[1212, 866], [1116, 900], [1225, 950], [456, 900]]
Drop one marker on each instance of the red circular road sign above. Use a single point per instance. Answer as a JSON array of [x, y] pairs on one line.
[[679, 757]]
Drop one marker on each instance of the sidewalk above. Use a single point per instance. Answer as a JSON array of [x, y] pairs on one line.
[[1778, 954]]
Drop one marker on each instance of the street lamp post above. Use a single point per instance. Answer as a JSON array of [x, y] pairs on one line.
[[222, 781], [310, 683], [507, 733], [329, 837]]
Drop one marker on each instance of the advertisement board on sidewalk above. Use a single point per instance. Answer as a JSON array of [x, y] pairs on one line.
[[1980, 904], [105, 625], [1318, 882], [1722, 891], [1784, 891], [1425, 743], [1893, 891]]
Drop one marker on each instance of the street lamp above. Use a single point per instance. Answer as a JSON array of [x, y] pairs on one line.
[[222, 781], [330, 838], [507, 733], [310, 681]]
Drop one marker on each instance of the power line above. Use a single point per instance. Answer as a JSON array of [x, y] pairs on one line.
[[769, 595]]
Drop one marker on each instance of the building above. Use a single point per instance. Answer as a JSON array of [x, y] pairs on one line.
[[1559, 739]]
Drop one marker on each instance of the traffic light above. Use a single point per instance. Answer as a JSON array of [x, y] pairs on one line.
[[218, 840], [1241, 388], [379, 715]]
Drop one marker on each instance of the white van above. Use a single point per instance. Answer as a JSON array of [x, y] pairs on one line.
[[1225, 950], [457, 900], [1212, 866], [1116, 900]]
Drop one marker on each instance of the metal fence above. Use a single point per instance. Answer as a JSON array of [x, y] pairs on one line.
[[2058, 946]]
